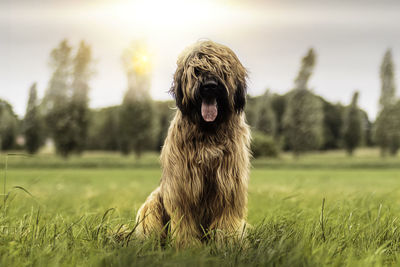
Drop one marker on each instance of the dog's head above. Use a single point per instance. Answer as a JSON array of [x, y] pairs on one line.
[[209, 84]]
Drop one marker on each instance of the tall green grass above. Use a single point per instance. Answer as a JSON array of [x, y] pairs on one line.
[[299, 216]]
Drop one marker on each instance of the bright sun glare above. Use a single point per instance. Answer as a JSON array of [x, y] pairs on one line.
[[137, 58], [169, 13], [141, 61]]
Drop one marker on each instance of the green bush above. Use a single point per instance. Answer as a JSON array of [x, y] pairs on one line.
[[264, 145]]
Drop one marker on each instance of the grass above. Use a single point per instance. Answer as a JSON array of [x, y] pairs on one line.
[[70, 210]]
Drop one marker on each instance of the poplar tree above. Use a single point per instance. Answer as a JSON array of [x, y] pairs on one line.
[[387, 126], [303, 118], [56, 100], [66, 99], [306, 70], [387, 129], [32, 123], [137, 124], [352, 127], [388, 87], [79, 109]]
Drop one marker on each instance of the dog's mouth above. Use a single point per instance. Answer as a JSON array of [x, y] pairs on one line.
[[209, 110], [209, 105]]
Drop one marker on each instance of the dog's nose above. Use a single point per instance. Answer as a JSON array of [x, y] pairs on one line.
[[210, 84]]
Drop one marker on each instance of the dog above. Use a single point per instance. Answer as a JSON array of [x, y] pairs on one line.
[[205, 157]]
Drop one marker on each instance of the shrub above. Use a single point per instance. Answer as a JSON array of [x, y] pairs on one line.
[[264, 145]]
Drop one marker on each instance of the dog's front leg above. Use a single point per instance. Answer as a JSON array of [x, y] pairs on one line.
[[184, 230], [228, 228], [149, 219]]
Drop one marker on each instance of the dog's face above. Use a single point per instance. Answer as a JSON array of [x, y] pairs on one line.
[[209, 84]]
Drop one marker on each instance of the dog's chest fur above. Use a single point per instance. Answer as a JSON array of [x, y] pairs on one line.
[[208, 171], [202, 173]]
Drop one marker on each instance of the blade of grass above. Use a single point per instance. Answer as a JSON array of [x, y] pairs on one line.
[[5, 182], [322, 220]]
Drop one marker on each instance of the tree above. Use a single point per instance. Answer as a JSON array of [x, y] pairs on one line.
[[307, 67], [56, 100], [32, 123], [251, 110], [8, 126], [333, 120], [352, 127], [81, 73], [303, 122], [388, 87], [387, 127], [137, 122], [278, 104], [366, 127], [266, 119], [164, 115], [66, 99], [303, 118], [103, 129]]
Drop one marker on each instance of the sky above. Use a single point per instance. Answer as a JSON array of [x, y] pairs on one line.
[[270, 38]]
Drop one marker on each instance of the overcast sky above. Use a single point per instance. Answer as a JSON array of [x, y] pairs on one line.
[[269, 37]]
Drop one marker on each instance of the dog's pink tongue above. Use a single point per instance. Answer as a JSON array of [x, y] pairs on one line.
[[209, 111]]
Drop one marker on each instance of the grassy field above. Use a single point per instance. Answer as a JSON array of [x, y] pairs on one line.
[[71, 209]]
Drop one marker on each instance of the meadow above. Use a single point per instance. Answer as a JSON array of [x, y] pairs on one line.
[[323, 209]]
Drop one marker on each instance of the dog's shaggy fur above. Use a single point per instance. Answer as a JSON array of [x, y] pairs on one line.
[[205, 160]]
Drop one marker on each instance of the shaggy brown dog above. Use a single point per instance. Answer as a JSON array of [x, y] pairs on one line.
[[205, 157]]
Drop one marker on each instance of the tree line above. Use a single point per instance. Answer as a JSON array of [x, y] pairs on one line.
[[297, 121], [301, 121]]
